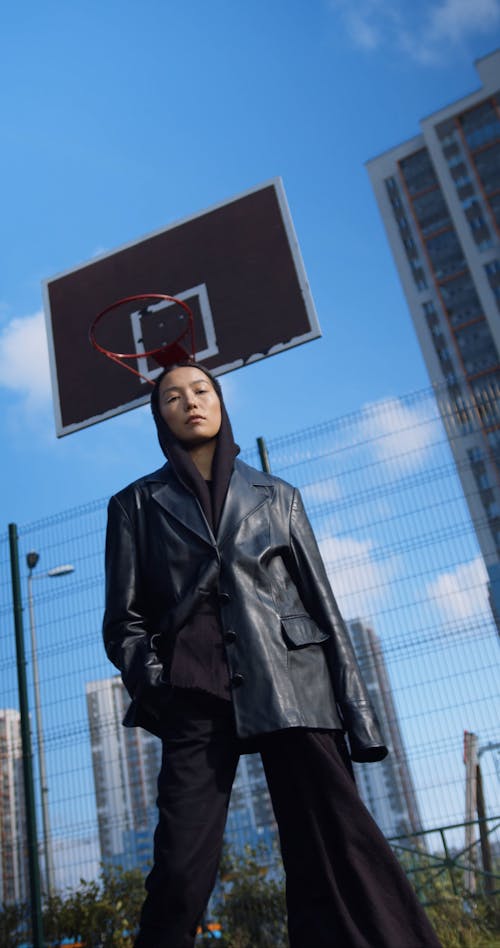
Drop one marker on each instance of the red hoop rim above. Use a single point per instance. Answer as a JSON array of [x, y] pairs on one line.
[[175, 345]]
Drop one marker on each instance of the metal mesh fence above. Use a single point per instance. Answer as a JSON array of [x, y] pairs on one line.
[[381, 487]]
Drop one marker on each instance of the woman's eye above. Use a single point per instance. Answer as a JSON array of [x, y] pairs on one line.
[[172, 398]]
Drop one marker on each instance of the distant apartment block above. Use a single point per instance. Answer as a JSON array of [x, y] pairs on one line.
[[125, 762], [439, 197], [13, 838], [386, 788], [250, 820]]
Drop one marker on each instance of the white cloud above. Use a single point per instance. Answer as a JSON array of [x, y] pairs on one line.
[[366, 22], [24, 360], [421, 30], [359, 581], [462, 594], [365, 33], [400, 435], [452, 20], [321, 492]]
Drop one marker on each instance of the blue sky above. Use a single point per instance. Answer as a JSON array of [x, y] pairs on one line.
[[120, 118]]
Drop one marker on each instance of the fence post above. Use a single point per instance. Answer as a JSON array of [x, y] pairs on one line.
[[29, 789], [264, 457], [483, 835]]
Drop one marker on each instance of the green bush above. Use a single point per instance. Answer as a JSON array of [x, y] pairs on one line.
[[103, 913], [249, 904]]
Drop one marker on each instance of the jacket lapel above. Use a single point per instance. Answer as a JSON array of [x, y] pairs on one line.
[[182, 505], [247, 492]]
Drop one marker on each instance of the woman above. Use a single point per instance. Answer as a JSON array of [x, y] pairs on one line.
[[220, 617]]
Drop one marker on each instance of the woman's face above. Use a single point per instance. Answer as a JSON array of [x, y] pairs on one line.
[[190, 405]]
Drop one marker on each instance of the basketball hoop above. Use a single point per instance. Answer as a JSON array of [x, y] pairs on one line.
[[180, 349]]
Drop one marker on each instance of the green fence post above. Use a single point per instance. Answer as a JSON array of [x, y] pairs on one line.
[[264, 457], [29, 789]]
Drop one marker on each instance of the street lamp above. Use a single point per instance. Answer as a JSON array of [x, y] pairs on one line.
[[32, 559]]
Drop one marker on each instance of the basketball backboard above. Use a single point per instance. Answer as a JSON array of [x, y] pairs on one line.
[[238, 266]]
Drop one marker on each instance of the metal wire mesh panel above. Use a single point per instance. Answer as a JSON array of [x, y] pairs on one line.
[[387, 504]]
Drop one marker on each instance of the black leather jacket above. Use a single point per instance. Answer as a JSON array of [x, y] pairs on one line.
[[286, 643]]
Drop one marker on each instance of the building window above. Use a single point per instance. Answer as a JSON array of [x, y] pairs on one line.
[[478, 226], [418, 171], [487, 164], [431, 211], [431, 317], [475, 454], [461, 299], [494, 443], [496, 294], [446, 132], [480, 125], [493, 510], [445, 253], [483, 481], [419, 277], [469, 201], [394, 195], [451, 150], [494, 202]]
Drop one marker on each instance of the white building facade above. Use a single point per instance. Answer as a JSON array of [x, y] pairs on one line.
[[439, 197], [13, 836], [125, 762]]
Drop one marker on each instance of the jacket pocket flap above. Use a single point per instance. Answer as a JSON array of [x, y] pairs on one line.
[[299, 631]]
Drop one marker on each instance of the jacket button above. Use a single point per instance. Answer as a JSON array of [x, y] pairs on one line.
[[230, 636], [224, 597], [237, 679]]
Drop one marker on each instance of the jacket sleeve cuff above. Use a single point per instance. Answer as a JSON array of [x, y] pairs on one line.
[[365, 740]]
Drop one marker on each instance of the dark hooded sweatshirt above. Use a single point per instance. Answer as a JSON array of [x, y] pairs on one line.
[[199, 660]]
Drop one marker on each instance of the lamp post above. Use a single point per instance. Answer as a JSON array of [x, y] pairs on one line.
[[32, 559]]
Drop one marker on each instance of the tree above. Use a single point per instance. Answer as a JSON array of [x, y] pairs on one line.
[[459, 920], [103, 913], [250, 903], [12, 923]]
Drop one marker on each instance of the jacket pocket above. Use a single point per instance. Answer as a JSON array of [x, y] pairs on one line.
[[300, 631]]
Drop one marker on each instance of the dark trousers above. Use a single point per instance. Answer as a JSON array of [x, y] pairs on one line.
[[344, 886]]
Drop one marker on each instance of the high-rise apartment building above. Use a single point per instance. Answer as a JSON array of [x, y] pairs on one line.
[[386, 787], [126, 762], [13, 837], [250, 820], [439, 197]]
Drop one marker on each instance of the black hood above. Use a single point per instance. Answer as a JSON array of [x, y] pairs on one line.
[[211, 497]]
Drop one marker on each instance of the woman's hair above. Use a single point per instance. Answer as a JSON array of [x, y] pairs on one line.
[[190, 364]]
